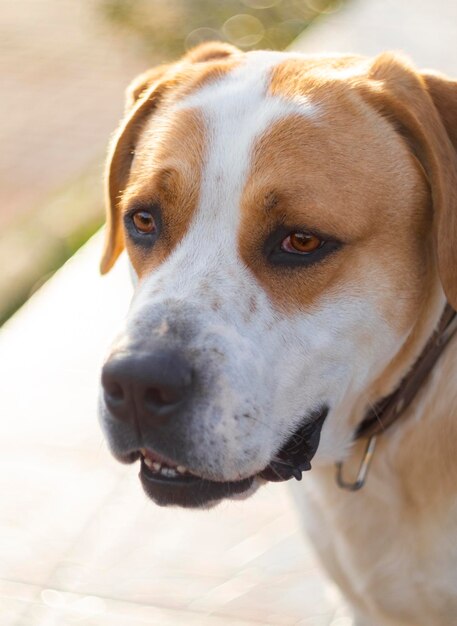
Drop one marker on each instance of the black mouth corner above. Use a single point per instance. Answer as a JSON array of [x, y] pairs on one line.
[[296, 455], [187, 491]]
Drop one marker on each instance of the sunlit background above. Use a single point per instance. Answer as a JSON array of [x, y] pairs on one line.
[[79, 543]]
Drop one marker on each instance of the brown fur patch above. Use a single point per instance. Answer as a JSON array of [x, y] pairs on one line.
[[294, 77], [166, 173], [347, 174], [423, 110], [393, 191], [192, 78], [150, 96]]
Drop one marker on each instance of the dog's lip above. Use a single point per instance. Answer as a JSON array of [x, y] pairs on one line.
[[157, 466], [167, 482], [162, 466], [187, 490], [126, 458], [295, 455], [150, 474]]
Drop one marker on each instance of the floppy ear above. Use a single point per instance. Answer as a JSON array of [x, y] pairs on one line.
[[423, 109], [444, 95], [142, 83], [118, 169], [209, 51], [143, 96]]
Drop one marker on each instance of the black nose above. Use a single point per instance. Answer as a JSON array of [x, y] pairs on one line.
[[144, 386]]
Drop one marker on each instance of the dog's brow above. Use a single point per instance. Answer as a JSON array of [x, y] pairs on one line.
[[270, 200]]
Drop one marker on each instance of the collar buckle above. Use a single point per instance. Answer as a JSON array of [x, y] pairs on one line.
[[363, 469]]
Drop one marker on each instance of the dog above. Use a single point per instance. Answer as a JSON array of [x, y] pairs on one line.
[[291, 226]]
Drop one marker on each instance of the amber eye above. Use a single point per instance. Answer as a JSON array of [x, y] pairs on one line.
[[144, 222], [301, 243]]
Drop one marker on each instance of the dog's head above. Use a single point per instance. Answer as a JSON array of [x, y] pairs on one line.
[[291, 223]]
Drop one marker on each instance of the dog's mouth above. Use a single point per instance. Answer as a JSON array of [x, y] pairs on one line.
[[169, 483]]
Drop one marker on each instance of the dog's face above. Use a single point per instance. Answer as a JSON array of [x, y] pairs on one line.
[[281, 219]]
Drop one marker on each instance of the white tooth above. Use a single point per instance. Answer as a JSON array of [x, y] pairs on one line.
[[143, 451], [168, 471], [149, 463], [156, 466], [181, 469]]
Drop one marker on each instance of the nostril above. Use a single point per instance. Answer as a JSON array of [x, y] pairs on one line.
[[114, 393], [162, 396]]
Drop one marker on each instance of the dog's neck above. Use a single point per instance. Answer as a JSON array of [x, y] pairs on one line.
[[426, 459], [415, 340], [415, 457], [391, 408], [426, 430], [408, 502]]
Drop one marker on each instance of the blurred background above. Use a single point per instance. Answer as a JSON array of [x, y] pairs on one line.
[[64, 65], [79, 543]]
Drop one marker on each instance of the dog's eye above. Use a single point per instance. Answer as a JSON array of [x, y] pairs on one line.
[[144, 222], [301, 243], [299, 248]]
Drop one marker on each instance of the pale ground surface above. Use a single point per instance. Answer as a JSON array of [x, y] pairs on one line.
[[78, 541]]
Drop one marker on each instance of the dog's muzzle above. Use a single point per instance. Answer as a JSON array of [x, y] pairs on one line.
[[147, 397]]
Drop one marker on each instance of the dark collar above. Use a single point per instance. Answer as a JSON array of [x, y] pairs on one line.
[[389, 409]]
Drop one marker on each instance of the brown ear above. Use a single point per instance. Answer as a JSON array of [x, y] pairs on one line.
[[208, 51], [423, 108], [118, 168], [444, 95], [143, 96], [142, 83]]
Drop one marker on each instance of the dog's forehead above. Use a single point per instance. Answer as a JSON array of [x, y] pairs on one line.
[[193, 157], [218, 119], [269, 126], [233, 106], [243, 94], [210, 129]]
